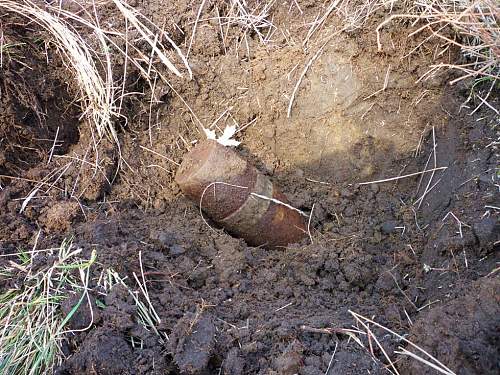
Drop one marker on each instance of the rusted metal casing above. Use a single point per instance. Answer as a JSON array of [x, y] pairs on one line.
[[227, 188]]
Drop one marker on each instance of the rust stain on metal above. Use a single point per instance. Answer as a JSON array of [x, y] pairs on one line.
[[222, 182]]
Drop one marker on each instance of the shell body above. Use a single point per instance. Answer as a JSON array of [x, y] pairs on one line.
[[233, 193]]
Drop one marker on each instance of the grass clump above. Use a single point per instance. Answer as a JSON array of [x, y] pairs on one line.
[[32, 325]]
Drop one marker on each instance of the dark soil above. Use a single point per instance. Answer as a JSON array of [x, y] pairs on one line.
[[36, 112], [428, 271]]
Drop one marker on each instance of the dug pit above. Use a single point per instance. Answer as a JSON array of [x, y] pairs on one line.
[[379, 250]]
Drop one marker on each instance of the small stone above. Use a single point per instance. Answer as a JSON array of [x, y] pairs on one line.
[[487, 230], [389, 227], [299, 173], [176, 250], [375, 188], [328, 226], [290, 362], [167, 239]]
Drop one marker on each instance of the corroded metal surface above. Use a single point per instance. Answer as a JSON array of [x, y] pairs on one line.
[[216, 178], [246, 219], [234, 194]]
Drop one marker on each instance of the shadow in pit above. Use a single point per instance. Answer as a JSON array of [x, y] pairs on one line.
[[37, 114]]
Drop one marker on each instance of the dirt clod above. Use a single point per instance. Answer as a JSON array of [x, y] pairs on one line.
[[86, 313], [292, 359], [472, 346], [192, 342], [59, 217], [102, 353]]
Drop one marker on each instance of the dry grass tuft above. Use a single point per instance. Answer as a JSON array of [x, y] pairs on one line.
[[32, 326], [255, 19], [95, 92], [469, 25], [472, 26]]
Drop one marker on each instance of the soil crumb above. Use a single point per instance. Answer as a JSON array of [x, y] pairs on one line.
[[59, 217], [192, 342]]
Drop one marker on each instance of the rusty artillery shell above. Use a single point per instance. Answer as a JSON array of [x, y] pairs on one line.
[[230, 191]]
